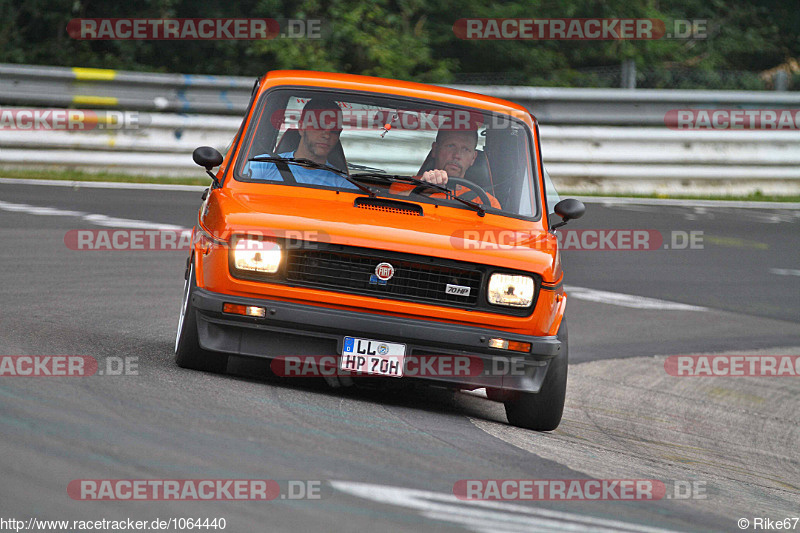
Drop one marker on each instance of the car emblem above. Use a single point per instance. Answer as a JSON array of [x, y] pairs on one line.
[[383, 273], [458, 290]]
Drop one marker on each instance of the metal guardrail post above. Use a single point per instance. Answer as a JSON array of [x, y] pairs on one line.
[[781, 80], [628, 74]]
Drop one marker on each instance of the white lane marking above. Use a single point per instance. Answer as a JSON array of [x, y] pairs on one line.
[[113, 222], [611, 200], [785, 271], [93, 218], [105, 184], [486, 516], [38, 210], [628, 300]]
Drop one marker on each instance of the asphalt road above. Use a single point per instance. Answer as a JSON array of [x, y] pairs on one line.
[[387, 461]]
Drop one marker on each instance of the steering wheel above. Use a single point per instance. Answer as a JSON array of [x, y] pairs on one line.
[[476, 189]]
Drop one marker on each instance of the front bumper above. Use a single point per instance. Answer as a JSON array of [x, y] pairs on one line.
[[292, 329]]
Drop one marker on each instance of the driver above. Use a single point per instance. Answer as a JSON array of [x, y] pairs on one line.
[[454, 152]]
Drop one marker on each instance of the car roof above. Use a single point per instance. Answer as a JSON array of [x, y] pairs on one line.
[[330, 80]]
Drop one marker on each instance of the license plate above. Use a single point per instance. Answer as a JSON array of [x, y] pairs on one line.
[[370, 356]]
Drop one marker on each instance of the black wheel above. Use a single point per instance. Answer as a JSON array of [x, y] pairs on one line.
[[474, 188], [542, 411], [188, 353]]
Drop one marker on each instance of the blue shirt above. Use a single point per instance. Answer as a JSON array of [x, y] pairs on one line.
[[267, 171]]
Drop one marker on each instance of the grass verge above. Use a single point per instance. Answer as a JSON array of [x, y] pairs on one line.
[[754, 197], [74, 175]]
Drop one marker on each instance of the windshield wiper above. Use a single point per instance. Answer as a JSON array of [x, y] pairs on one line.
[[409, 179], [312, 164], [355, 166]]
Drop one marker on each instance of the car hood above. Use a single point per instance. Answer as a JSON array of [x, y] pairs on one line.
[[447, 232]]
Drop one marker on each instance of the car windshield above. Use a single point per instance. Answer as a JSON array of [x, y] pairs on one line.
[[373, 144]]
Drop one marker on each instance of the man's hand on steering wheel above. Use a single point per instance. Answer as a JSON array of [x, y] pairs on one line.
[[439, 177]]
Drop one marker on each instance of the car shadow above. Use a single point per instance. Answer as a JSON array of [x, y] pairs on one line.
[[384, 391]]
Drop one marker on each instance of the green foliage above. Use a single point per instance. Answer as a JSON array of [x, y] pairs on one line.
[[414, 40], [375, 39]]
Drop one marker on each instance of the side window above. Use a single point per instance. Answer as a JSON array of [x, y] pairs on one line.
[[525, 207], [550, 191]]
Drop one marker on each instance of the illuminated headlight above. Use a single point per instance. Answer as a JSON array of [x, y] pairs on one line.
[[511, 290], [257, 256]]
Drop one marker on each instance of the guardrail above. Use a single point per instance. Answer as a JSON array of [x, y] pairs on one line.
[[598, 158], [185, 93], [628, 107], [599, 140], [131, 91]]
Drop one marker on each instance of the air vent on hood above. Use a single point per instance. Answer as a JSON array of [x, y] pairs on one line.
[[389, 206]]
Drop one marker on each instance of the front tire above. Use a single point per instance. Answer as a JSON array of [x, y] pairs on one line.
[[542, 411], [188, 353]]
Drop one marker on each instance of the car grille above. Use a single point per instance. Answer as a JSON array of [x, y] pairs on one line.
[[349, 270]]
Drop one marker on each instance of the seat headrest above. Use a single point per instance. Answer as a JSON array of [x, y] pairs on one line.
[[291, 140]]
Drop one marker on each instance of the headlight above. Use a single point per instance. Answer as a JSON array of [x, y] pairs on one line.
[[257, 256], [511, 290]]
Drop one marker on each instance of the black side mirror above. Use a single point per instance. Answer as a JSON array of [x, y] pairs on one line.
[[568, 209], [208, 157]]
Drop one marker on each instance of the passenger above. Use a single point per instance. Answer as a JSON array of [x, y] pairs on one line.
[[319, 128]]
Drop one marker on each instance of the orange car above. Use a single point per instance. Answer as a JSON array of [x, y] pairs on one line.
[[368, 230]]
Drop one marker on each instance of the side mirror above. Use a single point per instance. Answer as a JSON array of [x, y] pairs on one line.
[[568, 209], [207, 157]]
